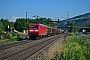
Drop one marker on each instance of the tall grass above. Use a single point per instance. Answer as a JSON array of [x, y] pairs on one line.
[[11, 37], [76, 48]]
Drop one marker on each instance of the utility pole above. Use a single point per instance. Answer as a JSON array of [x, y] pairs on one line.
[[67, 15], [26, 25], [67, 19], [26, 18], [36, 17], [58, 23]]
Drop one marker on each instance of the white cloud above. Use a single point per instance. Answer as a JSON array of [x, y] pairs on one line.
[[13, 19]]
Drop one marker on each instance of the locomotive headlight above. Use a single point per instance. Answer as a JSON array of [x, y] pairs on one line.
[[36, 30], [30, 30]]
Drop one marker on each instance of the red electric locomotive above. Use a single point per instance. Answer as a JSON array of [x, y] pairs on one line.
[[40, 31], [37, 30]]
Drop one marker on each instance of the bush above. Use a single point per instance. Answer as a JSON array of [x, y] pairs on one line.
[[72, 51], [71, 34], [76, 48]]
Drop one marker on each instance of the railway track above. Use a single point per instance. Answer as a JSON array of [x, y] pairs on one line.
[[6, 46], [12, 47], [26, 50]]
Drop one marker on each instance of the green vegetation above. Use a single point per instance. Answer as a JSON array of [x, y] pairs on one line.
[[76, 48], [5, 23], [83, 16], [1, 27], [82, 20], [21, 23], [72, 29], [9, 37], [8, 40]]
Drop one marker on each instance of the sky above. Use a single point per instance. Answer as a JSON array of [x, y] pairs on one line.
[[54, 9]]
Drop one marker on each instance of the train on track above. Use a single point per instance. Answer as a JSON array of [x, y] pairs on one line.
[[40, 31]]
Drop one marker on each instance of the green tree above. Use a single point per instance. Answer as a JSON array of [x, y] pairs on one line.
[[5, 22], [20, 24], [11, 24], [1, 27], [72, 29]]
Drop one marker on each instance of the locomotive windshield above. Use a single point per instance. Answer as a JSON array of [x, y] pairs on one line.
[[34, 26]]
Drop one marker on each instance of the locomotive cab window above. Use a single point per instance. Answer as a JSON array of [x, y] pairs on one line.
[[33, 26]]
